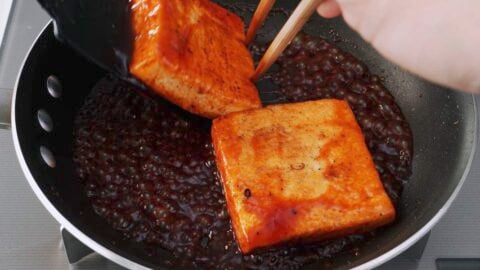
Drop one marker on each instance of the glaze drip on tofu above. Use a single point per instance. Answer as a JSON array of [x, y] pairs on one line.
[[307, 170], [192, 53]]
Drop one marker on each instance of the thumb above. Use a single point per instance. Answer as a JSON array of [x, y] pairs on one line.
[[329, 9]]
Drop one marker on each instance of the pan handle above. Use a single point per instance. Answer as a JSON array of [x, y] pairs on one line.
[[5, 107]]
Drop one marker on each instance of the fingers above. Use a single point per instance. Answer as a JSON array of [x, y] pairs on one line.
[[329, 9]]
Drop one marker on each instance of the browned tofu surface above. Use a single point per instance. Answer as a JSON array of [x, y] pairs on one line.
[[193, 54], [298, 172]]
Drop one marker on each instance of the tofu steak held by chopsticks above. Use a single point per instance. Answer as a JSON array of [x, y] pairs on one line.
[[193, 54]]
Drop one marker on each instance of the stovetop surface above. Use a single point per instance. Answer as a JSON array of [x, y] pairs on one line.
[[5, 6], [30, 237]]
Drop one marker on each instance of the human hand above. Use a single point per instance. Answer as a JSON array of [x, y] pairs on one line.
[[437, 40]]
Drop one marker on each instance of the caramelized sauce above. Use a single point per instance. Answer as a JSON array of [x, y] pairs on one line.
[[149, 168]]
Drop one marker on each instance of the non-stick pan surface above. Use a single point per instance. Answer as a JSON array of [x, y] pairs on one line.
[[443, 124]]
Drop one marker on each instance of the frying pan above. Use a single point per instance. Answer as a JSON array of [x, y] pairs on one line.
[[54, 81]]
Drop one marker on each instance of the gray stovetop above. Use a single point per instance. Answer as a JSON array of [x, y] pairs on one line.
[[30, 238]]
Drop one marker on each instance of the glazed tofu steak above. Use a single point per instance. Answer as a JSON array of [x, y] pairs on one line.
[[193, 54], [298, 172]]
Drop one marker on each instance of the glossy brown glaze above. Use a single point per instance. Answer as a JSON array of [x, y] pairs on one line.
[[149, 170]]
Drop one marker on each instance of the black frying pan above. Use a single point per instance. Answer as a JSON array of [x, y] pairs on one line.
[[55, 80]]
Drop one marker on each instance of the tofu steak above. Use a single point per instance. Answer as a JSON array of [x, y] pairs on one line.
[[298, 172], [193, 54]]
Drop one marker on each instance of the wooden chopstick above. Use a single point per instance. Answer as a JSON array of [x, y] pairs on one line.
[[291, 28], [258, 18]]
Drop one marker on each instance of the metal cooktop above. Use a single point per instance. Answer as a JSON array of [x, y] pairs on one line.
[[30, 238], [5, 7]]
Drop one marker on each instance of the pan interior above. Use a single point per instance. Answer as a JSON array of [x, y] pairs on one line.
[[442, 121]]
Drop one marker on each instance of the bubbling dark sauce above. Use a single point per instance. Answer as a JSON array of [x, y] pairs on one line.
[[149, 170]]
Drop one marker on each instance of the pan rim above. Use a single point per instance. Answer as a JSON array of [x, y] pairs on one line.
[[417, 236], [121, 260], [82, 237]]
